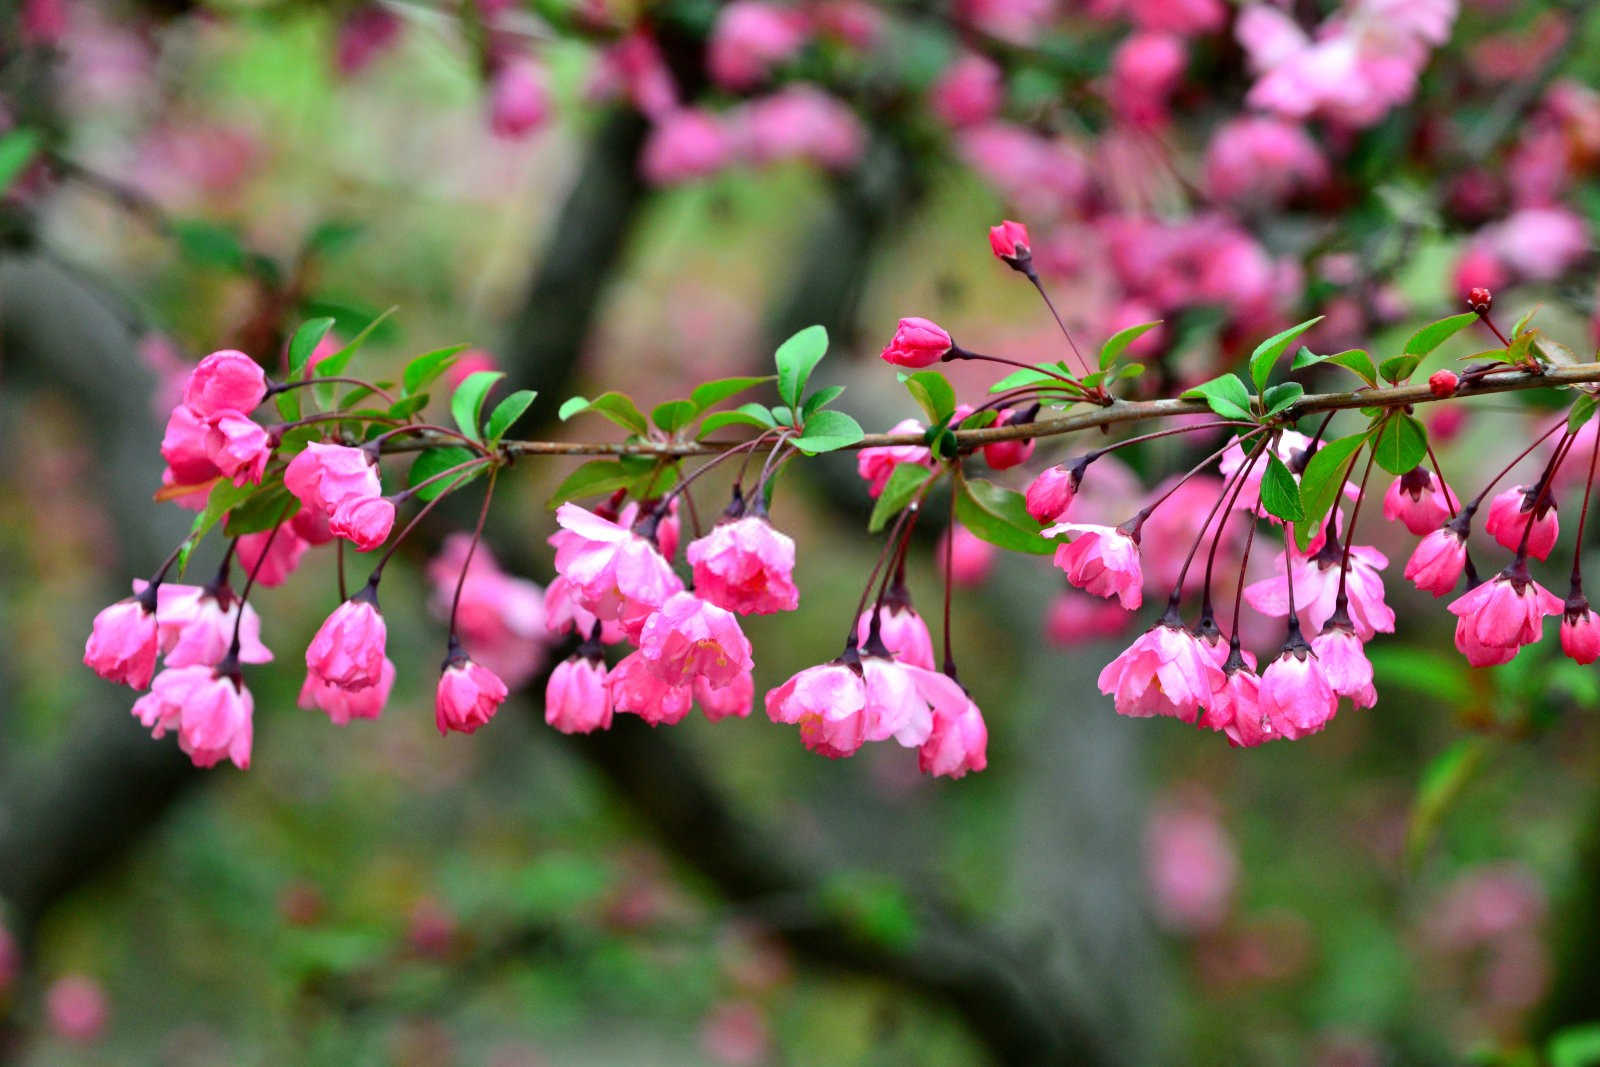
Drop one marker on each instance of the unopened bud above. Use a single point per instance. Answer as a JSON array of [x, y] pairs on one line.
[[1443, 383], [1480, 300]]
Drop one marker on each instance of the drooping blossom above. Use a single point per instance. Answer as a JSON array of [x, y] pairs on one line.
[[1418, 500], [1438, 560], [211, 712], [1050, 493], [519, 102], [876, 465], [1289, 448], [363, 521], [959, 739], [749, 38], [613, 572], [197, 623], [225, 381], [1510, 513], [324, 476], [576, 698], [500, 618], [745, 566], [685, 144], [1500, 616], [895, 706], [917, 343], [1580, 631], [971, 557], [1165, 671], [342, 705], [826, 702], [348, 649], [1295, 697], [691, 638], [271, 558], [1316, 590], [639, 690], [902, 631], [123, 642], [669, 530], [468, 695], [1236, 707], [733, 700], [970, 90], [1345, 665], [1102, 560]]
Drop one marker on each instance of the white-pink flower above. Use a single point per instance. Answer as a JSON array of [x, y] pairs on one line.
[[1166, 671], [612, 572]]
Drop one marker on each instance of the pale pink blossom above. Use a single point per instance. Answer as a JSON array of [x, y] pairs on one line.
[[76, 1004], [271, 558], [1436, 564], [348, 649], [1511, 512], [1102, 560], [685, 144], [576, 698], [733, 700], [800, 122], [749, 38], [894, 706], [1145, 69], [971, 557], [1236, 708], [323, 476], [210, 711], [901, 630], [1539, 243], [1166, 671], [1191, 867], [519, 102], [467, 697], [196, 625], [563, 612], [342, 705], [614, 573], [1420, 501], [1295, 697], [1257, 159], [745, 566], [691, 638], [1500, 616], [876, 465], [1316, 590], [637, 689], [1044, 177], [225, 381], [1345, 665], [958, 741], [970, 90], [1050, 493], [123, 642], [1580, 632], [1073, 618], [826, 702]]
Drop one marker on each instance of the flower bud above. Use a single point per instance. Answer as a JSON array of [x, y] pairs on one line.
[[1480, 300], [468, 696], [917, 343], [1009, 240], [1443, 383]]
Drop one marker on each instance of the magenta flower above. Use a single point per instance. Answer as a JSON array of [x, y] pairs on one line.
[[563, 612], [273, 562], [519, 103], [123, 642], [1236, 707], [342, 705], [468, 695], [827, 703], [1003, 455], [1580, 631], [1419, 501], [1166, 671], [638, 689], [211, 713], [691, 638], [669, 530], [1500, 616], [970, 91], [917, 343], [225, 381], [1295, 698], [745, 566], [1509, 515], [614, 573], [186, 446], [1436, 564], [1316, 590], [749, 38], [1009, 242], [733, 700], [1344, 664], [876, 465], [237, 447], [363, 521], [1050, 494], [196, 625], [1102, 560], [347, 650], [901, 630], [576, 698], [324, 476]]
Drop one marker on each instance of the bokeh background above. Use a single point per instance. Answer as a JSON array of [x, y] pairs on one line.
[[648, 195]]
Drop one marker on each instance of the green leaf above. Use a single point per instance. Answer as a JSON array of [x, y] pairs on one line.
[[1582, 411], [305, 341], [207, 244], [407, 406], [1268, 351], [437, 461], [904, 482], [506, 413], [718, 419], [1321, 482], [999, 516], [17, 149], [819, 400], [424, 369], [1401, 444], [603, 476], [1575, 1046], [1435, 334], [1397, 369], [618, 407], [1047, 374], [335, 364], [1278, 397], [828, 430], [333, 236], [1279, 493], [709, 394], [1128, 370], [796, 358], [673, 415], [933, 392], [1118, 342], [942, 442], [1442, 782], [262, 511], [1352, 359], [466, 406], [224, 495], [979, 419], [1227, 396]]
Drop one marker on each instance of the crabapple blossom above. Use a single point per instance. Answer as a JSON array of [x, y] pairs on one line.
[[958, 741], [1236, 708], [745, 566], [691, 638], [324, 476], [901, 630], [877, 464], [500, 619], [1419, 501], [226, 381], [684, 144], [123, 642], [348, 649], [827, 702], [1074, 617], [1050, 493], [636, 688], [749, 38], [1263, 159], [895, 706], [1500, 616], [237, 447], [1295, 697], [733, 700], [210, 710], [342, 705], [1166, 671], [363, 521], [197, 625], [519, 103], [467, 697], [1442, 383], [1316, 590], [576, 698], [1580, 631], [917, 343], [1010, 244], [1436, 564], [970, 90], [271, 557], [1510, 514], [613, 572], [1003, 455], [1344, 664], [1102, 560], [1191, 866]]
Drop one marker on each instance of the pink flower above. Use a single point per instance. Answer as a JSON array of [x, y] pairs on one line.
[[971, 557], [745, 566], [76, 1004], [970, 90], [1166, 671], [917, 343], [1295, 697], [1580, 632], [468, 696], [123, 642], [876, 465], [683, 145], [1236, 708], [1102, 560], [271, 558], [894, 704], [210, 711], [1192, 868], [1316, 590], [634, 65], [1510, 513], [749, 38], [1539, 243], [1145, 69], [324, 476], [1438, 561], [1177, 16], [237, 447], [311, 526], [732, 700], [363, 521], [1003, 455], [196, 624], [347, 650], [901, 630], [342, 705], [691, 638], [636, 688], [185, 445], [519, 103], [1418, 501], [614, 573], [959, 739], [1073, 617], [800, 122], [1050, 494], [225, 381], [364, 35], [1500, 616], [500, 620], [826, 702], [1262, 160], [576, 699], [1344, 664]]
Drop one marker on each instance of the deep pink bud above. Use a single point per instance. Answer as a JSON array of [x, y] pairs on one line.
[[1509, 515], [745, 566], [1101, 560], [1438, 561], [1295, 697], [1003, 455], [576, 699], [348, 649], [225, 381], [468, 696], [1009, 240], [1345, 666], [732, 700], [342, 705], [238, 447], [518, 100], [122, 644], [637, 689], [692, 638], [1050, 494], [363, 521], [211, 712], [324, 476], [1500, 616], [1419, 501], [1443, 383], [917, 343]]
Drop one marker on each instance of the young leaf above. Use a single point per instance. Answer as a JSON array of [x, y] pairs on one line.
[[1352, 359], [1582, 411], [1279, 493], [1118, 342], [747, 415], [1435, 334], [1321, 482], [828, 430], [421, 371], [819, 400], [335, 364], [1279, 397], [17, 149], [979, 419], [904, 482], [437, 461], [1397, 369], [999, 516], [796, 358], [305, 341], [1268, 351], [224, 496], [673, 415], [506, 413], [1226, 394], [602, 476], [709, 394], [1047, 374], [262, 511], [466, 406], [1401, 444], [618, 407], [933, 392], [407, 406]]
